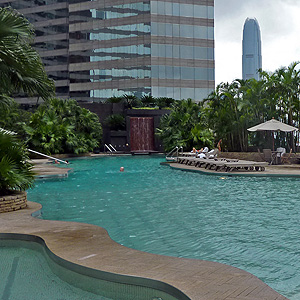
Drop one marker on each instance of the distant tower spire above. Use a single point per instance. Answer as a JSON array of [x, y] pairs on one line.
[[252, 60]]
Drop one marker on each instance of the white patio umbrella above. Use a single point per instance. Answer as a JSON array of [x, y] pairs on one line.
[[273, 125]]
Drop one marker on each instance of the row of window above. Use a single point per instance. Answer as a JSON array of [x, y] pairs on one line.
[[119, 74], [134, 9], [178, 93], [182, 9], [118, 32], [110, 12], [140, 29], [171, 92], [157, 7], [182, 30], [113, 53], [159, 72], [183, 73], [135, 51], [182, 51], [120, 11], [107, 93], [157, 50]]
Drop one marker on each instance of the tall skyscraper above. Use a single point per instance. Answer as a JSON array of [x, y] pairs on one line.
[[252, 60], [103, 48]]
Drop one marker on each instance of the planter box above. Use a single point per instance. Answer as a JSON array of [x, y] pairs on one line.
[[13, 202]]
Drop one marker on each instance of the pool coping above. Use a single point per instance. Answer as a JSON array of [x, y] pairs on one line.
[[90, 246], [76, 270]]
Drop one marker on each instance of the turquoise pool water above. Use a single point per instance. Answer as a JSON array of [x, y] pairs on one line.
[[25, 274], [251, 223], [29, 271]]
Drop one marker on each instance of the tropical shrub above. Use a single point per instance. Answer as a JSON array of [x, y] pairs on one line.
[[115, 122], [15, 170], [12, 117], [164, 102], [62, 126], [185, 126]]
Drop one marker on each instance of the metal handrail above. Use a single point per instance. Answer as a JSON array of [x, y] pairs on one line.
[[112, 147], [168, 156], [51, 157], [106, 146]]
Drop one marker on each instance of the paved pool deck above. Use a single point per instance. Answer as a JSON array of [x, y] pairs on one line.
[[270, 171], [91, 246]]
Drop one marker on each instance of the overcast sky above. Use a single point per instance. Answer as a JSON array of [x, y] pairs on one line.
[[279, 22]]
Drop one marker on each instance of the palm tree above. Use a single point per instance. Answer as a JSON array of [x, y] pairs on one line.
[[21, 68], [15, 170], [284, 87]]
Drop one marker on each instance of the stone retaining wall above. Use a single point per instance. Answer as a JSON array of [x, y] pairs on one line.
[[13, 202]]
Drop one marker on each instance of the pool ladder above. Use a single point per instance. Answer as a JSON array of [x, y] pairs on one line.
[[170, 157], [110, 148]]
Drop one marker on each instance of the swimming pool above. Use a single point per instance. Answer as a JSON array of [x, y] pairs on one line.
[[30, 271], [247, 222]]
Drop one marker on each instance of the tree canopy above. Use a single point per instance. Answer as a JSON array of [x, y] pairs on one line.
[[185, 126], [62, 126], [234, 107], [21, 68]]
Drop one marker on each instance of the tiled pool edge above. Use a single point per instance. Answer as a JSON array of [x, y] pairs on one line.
[[90, 246], [77, 269]]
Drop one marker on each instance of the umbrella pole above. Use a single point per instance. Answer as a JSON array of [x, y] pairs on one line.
[[273, 140]]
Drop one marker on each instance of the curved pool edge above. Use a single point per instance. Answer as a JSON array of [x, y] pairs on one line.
[[113, 278], [90, 246]]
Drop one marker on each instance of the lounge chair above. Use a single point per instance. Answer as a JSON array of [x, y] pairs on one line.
[[244, 165], [217, 164], [213, 153], [285, 158], [268, 156]]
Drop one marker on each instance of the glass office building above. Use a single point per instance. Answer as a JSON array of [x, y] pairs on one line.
[[98, 49], [252, 59]]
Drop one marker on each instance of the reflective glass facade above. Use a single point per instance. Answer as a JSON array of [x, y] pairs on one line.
[[252, 59], [98, 49]]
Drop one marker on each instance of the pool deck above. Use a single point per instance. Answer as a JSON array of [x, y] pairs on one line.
[[91, 246], [270, 171]]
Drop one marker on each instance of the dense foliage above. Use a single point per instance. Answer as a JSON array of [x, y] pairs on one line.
[[234, 107], [12, 117], [185, 126], [21, 71], [148, 101], [62, 126], [15, 170], [115, 122]]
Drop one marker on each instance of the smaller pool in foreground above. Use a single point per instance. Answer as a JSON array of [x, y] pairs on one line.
[[29, 271]]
